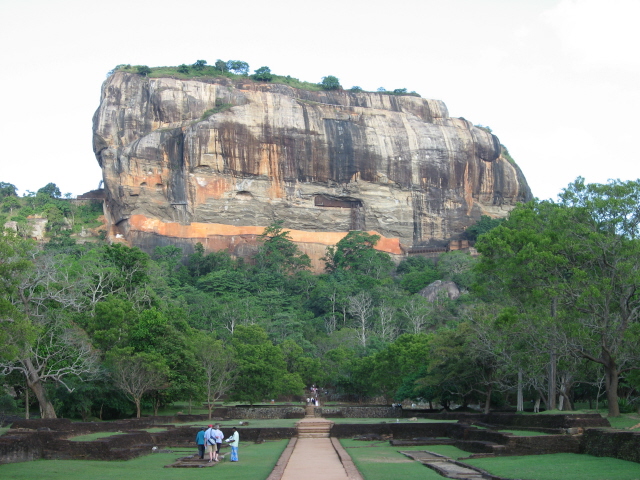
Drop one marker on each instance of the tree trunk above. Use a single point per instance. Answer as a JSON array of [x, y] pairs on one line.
[[26, 402], [551, 405], [46, 407], [137, 401], [520, 400], [611, 379], [487, 402]]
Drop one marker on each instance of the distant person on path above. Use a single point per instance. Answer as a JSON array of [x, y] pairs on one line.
[[234, 441], [219, 436], [210, 442], [200, 443]]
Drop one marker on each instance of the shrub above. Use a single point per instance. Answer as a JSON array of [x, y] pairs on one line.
[[143, 70], [200, 64], [263, 74], [356, 89], [183, 68], [330, 83]]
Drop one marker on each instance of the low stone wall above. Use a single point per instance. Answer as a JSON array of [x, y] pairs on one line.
[[539, 421], [611, 443], [48, 439], [360, 412], [541, 445], [396, 430]]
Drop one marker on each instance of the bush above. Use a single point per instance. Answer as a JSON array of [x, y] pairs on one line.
[[627, 406], [356, 89], [7, 404], [183, 68], [330, 83], [143, 70], [200, 64], [263, 74]]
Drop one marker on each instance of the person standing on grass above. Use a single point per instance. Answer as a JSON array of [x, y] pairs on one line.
[[219, 436], [200, 442], [210, 441], [234, 441]]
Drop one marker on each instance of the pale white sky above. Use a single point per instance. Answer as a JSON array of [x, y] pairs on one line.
[[558, 81]]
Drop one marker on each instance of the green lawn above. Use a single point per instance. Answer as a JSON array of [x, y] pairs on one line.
[[387, 420], [565, 466], [256, 463], [524, 433], [258, 423], [94, 436], [381, 461]]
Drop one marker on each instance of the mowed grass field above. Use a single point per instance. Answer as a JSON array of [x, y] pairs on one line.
[[256, 463], [380, 461]]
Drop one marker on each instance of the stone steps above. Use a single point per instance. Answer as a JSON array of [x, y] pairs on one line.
[[314, 428]]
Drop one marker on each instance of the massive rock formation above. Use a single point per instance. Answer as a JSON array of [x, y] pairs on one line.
[[216, 160]]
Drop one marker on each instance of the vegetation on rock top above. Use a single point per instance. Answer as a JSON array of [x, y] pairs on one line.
[[237, 69]]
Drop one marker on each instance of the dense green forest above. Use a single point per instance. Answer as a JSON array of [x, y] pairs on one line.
[[548, 310]]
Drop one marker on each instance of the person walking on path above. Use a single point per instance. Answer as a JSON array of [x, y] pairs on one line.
[[234, 441], [210, 441], [200, 443], [219, 436]]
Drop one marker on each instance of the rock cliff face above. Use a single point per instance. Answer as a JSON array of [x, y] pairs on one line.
[[216, 160]]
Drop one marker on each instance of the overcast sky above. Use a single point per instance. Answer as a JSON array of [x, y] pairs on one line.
[[558, 81]]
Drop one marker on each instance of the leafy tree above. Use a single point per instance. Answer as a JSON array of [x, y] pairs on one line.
[[219, 369], [356, 89], [137, 373], [8, 190], [183, 68], [278, 253], [238, 67], [398, 360], [51, 190], [457, 266], [263, 74], [400, 91], [44, 345], [416, 273], [582, 262], [221, 65], [262, 368], [482, 226], [10, 203], [356, 253], [129, 264], [199, 65], [330, 83], [143, 70]]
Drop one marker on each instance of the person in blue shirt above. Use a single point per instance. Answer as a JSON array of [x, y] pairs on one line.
[[200, 443]]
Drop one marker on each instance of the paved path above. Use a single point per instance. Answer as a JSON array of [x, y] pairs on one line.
[[314, 459], [314, 456]]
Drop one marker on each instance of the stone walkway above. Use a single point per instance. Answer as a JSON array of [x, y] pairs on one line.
[[445, 466], [314, 456]]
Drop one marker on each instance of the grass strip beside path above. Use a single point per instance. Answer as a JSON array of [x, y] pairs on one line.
[[381, 461], [565, 466], [256, 463], [386, 420], [94, 436]]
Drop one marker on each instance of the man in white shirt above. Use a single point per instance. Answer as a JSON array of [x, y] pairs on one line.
[[234, 441]]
